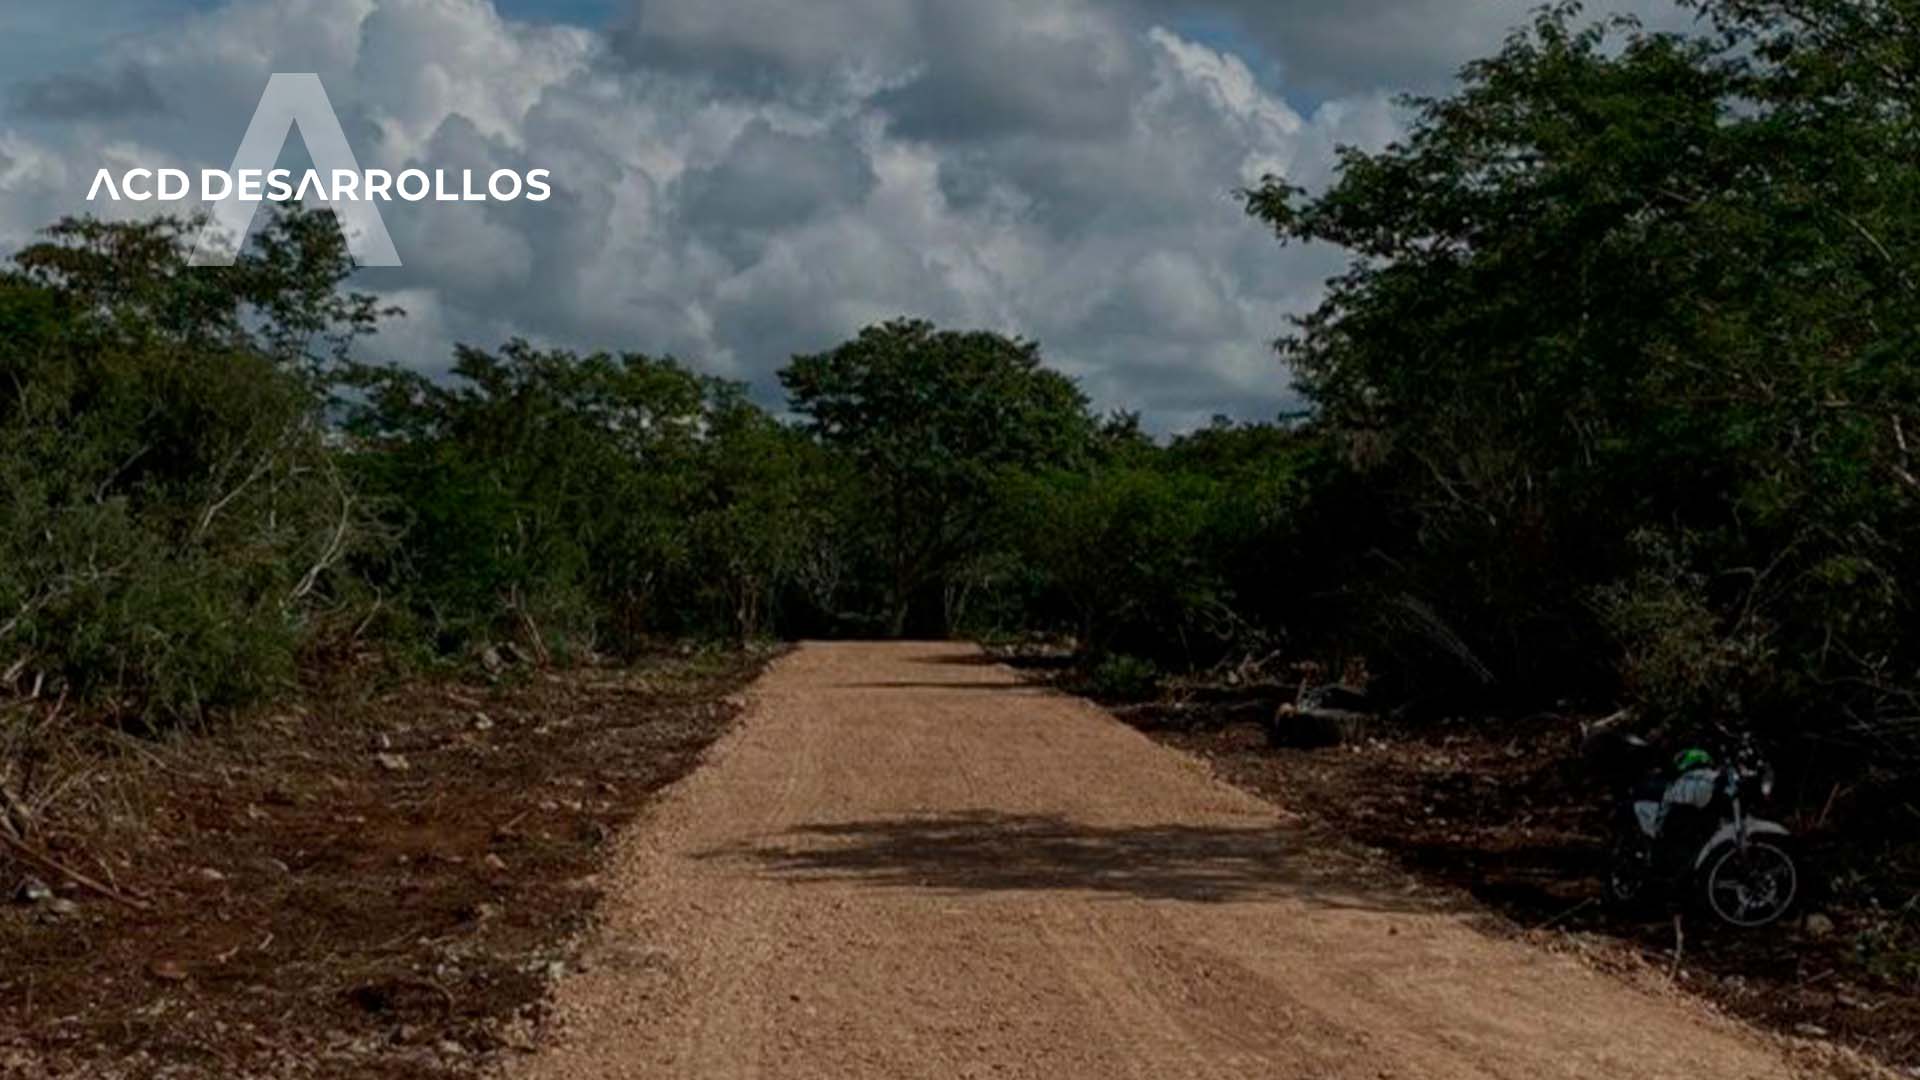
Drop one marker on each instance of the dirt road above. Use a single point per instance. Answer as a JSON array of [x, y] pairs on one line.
[[905, 863]]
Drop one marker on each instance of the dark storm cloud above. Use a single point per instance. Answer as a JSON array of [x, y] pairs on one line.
[[993, 68]]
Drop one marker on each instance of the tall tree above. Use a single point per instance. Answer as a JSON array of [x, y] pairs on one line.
[[932, 420]]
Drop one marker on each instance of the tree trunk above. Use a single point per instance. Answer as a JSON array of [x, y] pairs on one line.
[[902, 599]]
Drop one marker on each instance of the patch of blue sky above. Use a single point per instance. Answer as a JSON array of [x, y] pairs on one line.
[[589, 13], [40, 39], [1223, 32]]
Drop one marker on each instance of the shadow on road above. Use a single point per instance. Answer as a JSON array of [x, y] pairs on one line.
[[959, 659], [1014, 685], [994, 852]]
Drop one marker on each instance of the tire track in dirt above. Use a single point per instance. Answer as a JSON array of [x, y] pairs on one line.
[[905, 862]]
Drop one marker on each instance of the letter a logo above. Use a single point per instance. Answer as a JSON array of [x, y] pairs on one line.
[[295, 100]]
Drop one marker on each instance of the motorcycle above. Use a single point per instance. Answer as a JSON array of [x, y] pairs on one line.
[[1689, 830]]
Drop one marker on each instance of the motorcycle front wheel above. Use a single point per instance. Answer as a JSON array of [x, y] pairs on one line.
[[1749, 887]]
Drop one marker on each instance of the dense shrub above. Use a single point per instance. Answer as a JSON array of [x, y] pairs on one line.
[[174, 522], [1625, 354], [1117, 677], [581, 503]]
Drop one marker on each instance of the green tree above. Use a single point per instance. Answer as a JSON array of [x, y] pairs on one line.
[[1183, 554], [1123, 547], [1628, 329], [931, 421], [543, 496], [765, 511], [586, 502]]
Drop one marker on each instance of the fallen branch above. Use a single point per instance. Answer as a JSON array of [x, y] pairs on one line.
[[465, 701], [1885, 255], [540, 654], [52, 866], [15, 816], [507, 829], [1832, 797], [1575, 909], [1679, 948]]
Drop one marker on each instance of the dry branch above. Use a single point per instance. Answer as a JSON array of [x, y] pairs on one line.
[[335, 545], [1679, 947], [50, 865], [16, 818]]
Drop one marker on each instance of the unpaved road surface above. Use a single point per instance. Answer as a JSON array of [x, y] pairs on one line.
[[905, 863]]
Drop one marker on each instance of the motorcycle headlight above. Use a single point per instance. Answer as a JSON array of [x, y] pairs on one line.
[[1766, 783]]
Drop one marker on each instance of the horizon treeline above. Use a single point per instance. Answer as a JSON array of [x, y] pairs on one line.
[[207, 489], [1616, 403]]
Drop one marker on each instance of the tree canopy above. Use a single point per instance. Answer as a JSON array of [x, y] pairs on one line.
[[932, 420]]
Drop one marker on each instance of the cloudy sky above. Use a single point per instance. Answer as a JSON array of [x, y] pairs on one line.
[[737, 181]]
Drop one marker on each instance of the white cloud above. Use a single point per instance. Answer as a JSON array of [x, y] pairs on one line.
[[1330, 50], [737, 181]]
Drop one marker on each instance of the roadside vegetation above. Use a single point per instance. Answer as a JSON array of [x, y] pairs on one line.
[[1616, 405]]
